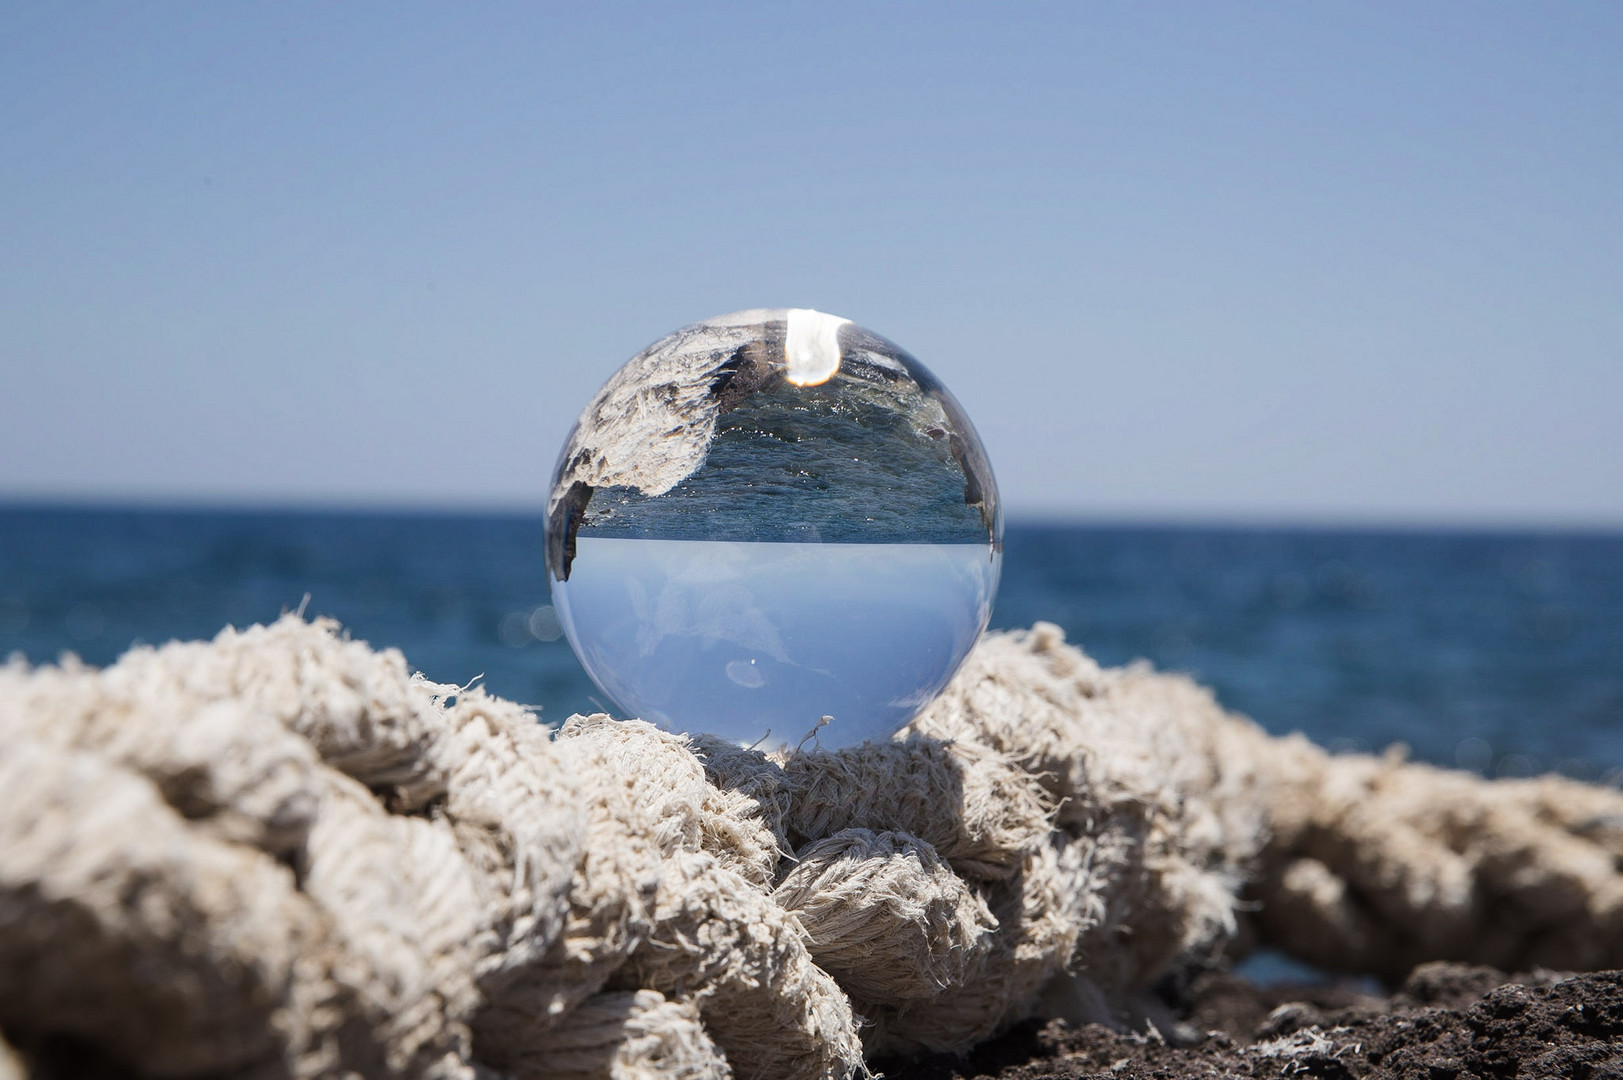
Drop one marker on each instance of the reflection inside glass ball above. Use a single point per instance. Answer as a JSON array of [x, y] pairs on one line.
[[768, 519]]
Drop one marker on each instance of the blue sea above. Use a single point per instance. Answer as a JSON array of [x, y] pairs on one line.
[[1498, 652]]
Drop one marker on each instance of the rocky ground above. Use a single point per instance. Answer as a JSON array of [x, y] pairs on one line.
[[1447, 1021]]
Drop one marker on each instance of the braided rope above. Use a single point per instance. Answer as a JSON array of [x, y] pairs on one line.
[[280, 854]]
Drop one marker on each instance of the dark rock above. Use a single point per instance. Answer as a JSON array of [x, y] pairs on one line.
[[1448, 1022]]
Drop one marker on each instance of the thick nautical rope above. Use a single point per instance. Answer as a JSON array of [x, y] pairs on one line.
[[279, 852]]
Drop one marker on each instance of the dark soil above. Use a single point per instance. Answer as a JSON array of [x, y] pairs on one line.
[[1448, 1022]]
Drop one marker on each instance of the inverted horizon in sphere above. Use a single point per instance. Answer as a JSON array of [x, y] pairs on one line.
[[770, 517]]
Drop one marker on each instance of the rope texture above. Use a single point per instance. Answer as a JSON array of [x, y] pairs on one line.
[[280, 854]]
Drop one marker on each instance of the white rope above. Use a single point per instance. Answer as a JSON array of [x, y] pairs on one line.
[[279, 852]]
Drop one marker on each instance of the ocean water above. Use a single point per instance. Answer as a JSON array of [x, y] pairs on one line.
[[1497, 652], [758, 641]]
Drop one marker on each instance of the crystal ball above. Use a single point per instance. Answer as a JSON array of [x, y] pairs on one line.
[[772, 525]]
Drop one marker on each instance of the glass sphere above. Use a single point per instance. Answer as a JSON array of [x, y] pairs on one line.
[[773, 523]]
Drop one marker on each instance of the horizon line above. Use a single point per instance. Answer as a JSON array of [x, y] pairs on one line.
[[1097, 517]]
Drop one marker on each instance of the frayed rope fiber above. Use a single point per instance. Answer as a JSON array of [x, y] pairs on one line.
[[280, 854]]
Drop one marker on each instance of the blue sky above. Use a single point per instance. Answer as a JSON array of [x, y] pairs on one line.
[[1329, 262]]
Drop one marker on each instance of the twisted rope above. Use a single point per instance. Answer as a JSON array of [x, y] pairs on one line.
[[280, 854]]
